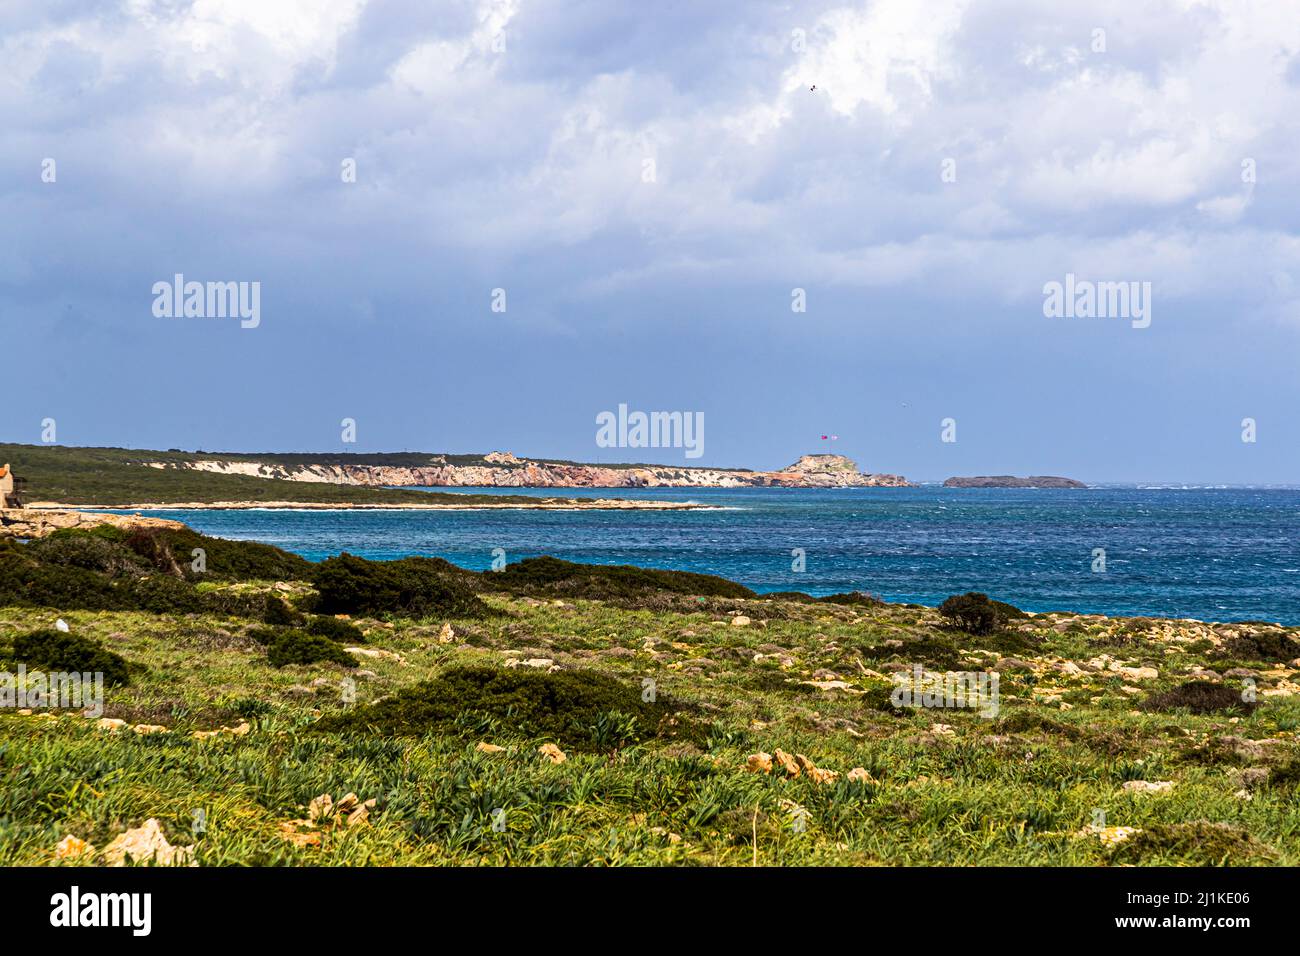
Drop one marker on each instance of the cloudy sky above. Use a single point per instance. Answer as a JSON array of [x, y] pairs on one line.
[[649, 183]]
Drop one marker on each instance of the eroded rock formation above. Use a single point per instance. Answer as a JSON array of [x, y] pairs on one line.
[[504, 470]]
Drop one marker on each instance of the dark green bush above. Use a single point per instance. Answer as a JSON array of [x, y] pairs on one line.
[[25, 582], [1285, 776], [160, 594], [1009, 612], [345, 632], [55, 651], [264, 635], [973, 612], [934, 651], [1200, 697], [172, 550], [151, 546], [251, 604], [117, 551], [1199, 843], [858, 598], [280, 612], [299, 647], [1270, 645], [797, 597], [605, 582], [411, 587], [97, 572], [340, 632], [92, 552], [582, 710]]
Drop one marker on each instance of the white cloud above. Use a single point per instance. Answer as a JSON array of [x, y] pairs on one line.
[[886, 55], [478, 154]]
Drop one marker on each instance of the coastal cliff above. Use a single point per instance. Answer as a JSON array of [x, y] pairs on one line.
[[504, 470]]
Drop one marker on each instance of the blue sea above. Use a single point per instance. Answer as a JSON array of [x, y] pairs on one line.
[[1216, 554]]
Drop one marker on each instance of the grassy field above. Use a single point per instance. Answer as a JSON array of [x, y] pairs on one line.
[[1083, 746], [119, 476]]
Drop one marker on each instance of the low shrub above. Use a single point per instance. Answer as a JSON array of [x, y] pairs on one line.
[[52, 650], [1270, 645], [257, 605], [1200, 843], [171, 550], [344, 632], [853, 598], [938, 652], [280, 612], [94, 573], [1200, 697], [1009, 612], [298, 647], [1285, 776], [798, 597], [605, 582], [91, 552], [411, 587], [159, 594], [26, 582], [972, 612], [264, 635], [582, 710], [1027, 720]]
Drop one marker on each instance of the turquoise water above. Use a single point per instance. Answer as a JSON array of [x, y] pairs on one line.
[[1214, 554]]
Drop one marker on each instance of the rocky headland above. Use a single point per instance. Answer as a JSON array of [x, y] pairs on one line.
[[504, 470]]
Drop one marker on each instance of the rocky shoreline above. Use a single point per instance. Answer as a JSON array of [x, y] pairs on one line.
[[504, 470], [38, 522], [42, 518]]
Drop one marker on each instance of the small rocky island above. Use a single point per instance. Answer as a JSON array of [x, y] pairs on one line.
[[1011, 481]]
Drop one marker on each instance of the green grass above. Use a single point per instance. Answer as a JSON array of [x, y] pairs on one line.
[[658, 701]]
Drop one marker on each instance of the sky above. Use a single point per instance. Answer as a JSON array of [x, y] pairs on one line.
[[477, 225]]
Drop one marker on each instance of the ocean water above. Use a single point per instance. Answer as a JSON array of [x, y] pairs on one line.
[[1219, 554]]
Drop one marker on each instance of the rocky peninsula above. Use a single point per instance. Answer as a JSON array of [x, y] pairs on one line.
[[505, 470]]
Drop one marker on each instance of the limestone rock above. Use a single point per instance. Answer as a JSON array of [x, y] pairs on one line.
[[146, 844], [70, 848], [552, 753], [38, 522], [1148, 786], [759, 763]]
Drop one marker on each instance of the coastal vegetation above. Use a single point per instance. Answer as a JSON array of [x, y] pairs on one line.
[[107, 477], [53, 650], [553, 713]]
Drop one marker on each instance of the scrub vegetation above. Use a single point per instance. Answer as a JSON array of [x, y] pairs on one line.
[[554, 713]]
